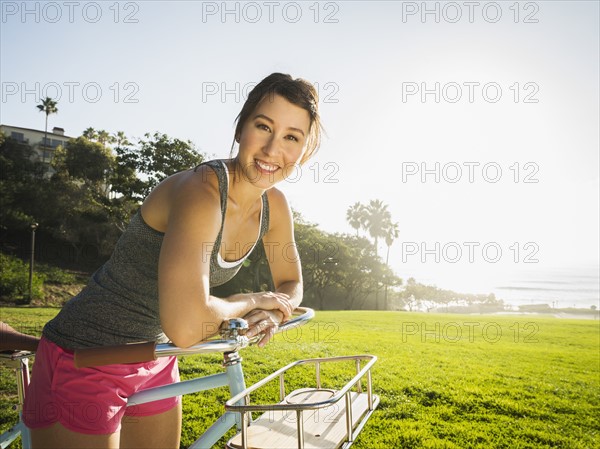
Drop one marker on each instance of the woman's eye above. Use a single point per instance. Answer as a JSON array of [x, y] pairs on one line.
[[263, 126], [293, 138]]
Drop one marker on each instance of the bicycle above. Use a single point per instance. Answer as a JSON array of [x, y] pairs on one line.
[[315, 428]]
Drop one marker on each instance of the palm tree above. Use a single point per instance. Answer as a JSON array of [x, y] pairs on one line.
[[356, 216], [391, 235], [90, 134], [48, 106], [120, 139], [377, 221], [378, 218], [104, 137]]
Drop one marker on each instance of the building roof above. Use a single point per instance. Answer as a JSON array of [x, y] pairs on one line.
[[39, 131]]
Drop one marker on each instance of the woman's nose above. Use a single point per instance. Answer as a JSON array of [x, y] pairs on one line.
[[270, 146]]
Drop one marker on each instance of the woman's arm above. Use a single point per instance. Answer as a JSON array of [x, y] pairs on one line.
[[280, 246], [188, 313], [284, 263]]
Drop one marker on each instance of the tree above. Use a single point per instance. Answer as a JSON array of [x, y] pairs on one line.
[[360, 269], [67, 208], [120, 139], [356, 216], [415, 293], [142, 167], [391, 234], [319, 254], [377, 220], [90, 134], [90, 162], [104, 137], [75, 207], [408, 294], [49, 107], [16, 185]]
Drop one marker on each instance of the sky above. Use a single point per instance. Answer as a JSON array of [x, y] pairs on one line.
[[477, 123]]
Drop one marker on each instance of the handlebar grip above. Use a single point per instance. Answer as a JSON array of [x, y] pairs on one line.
[[304, 315], [108, 355]]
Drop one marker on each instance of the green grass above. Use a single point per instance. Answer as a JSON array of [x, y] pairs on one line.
[[445, 381]]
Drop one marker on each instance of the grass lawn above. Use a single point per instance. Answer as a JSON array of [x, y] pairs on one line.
[[445, 380]]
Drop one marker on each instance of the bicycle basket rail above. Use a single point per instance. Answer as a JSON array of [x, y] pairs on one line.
[[308, 417]]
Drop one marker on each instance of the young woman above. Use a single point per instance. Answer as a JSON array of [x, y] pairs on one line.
[[192, 232]]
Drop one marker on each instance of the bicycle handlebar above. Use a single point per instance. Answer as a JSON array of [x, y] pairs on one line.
[[148, 351]]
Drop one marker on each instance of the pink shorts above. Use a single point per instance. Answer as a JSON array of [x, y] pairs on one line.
[[92, 400]]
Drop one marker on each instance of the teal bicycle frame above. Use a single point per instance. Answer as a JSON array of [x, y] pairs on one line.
[[232, 377]]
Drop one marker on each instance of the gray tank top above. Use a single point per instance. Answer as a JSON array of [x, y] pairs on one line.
[[120, 303]]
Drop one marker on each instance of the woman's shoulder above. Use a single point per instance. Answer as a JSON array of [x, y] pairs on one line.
[[199, 187], [194, 189], [277, 199], [193, 184], [279, 208]]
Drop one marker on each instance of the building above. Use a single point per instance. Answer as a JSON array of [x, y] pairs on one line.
[[35, 139], [43, 150]]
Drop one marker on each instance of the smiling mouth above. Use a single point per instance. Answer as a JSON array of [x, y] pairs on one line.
[[264, 167]]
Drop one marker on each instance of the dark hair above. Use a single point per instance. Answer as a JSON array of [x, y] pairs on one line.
[[297, 91]]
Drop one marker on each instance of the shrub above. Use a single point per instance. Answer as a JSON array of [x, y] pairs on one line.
[[14, 279], [54, 275]]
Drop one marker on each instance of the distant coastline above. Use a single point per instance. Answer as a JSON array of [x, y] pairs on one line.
[[539, 310], [549, 288]]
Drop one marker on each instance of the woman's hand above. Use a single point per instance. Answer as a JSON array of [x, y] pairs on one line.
[[268, 301], [263, 322]]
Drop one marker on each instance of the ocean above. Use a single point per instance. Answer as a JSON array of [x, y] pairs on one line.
[[559, 287]]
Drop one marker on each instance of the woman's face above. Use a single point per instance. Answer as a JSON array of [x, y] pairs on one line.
[[272, 141]]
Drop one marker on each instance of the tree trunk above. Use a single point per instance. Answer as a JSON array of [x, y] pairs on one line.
[[45, 137], [387, 263]]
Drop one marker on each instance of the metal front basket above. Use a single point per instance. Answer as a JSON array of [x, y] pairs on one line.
[[310, 417]]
